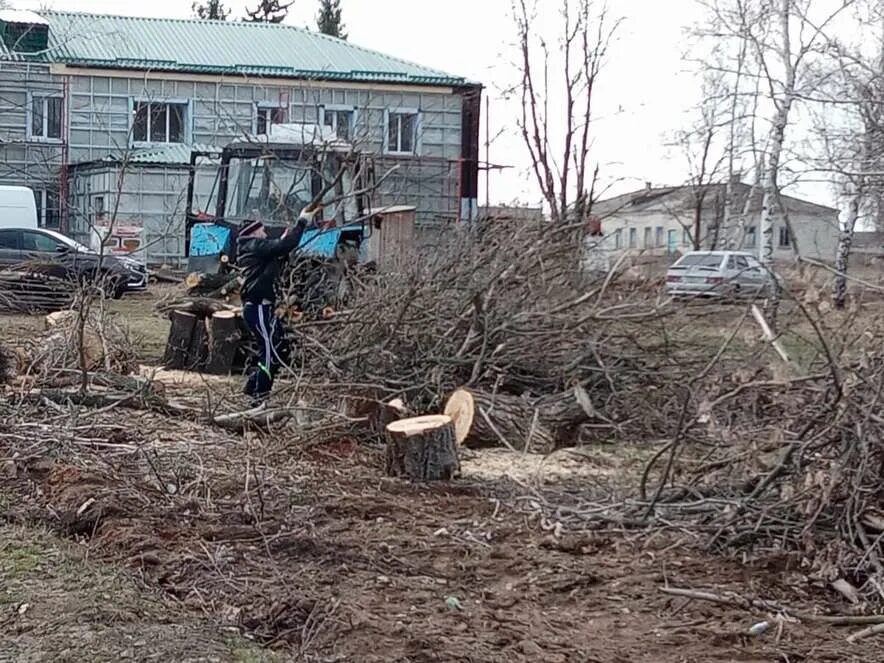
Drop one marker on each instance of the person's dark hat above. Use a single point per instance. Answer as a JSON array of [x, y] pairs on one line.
[[248, 227]]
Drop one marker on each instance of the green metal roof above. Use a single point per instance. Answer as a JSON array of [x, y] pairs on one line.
[[221, 47], [169, 154]]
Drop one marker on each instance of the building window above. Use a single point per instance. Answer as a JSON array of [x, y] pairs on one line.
[[686, 237], [749, 242], [341, 120], [158, 122], [647, 238], [98, 209], [618, 238], [45, 117], [785, 238], [48, 208], [402, 128], [633, 238], [658, 237], [267, 116]]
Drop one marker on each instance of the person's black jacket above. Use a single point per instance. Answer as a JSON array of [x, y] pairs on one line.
[[261, 261]]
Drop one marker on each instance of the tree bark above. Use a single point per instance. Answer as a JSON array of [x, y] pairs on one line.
[[180, 339], [422, 449], [845, 239], [223, 342]]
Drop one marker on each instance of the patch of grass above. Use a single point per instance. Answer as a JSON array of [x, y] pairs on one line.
[[18, 559]]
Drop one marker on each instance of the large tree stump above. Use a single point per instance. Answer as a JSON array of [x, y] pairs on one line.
[[224, 340], [422, 448], [180, 338]]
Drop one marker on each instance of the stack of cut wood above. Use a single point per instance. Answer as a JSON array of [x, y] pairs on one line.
[[204, 342], [30, 291], [224, 286]]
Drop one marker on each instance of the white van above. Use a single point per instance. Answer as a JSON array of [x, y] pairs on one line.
[[18, 209]]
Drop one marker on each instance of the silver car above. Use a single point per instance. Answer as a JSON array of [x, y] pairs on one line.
[[718, 274]]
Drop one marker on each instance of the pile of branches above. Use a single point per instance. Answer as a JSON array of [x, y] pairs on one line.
[[506, 311], [77, 339], [36, 286]]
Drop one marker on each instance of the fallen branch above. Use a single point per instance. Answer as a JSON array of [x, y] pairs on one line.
[[738, 601]]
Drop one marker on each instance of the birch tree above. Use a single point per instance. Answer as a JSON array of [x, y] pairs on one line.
[[851, 128], [784, 37]]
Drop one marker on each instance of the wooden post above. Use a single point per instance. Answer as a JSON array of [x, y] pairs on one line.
[[180, 338], [422, 448]]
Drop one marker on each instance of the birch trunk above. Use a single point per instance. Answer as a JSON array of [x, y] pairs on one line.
[[770, 207], [845, 239]]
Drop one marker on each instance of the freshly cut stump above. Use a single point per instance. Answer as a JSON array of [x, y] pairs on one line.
[[422, 448], [224, 341]]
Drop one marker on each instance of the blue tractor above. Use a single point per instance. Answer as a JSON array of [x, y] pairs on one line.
[[272, 177]]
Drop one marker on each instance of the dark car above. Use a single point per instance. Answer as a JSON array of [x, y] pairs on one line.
[[118, 273]]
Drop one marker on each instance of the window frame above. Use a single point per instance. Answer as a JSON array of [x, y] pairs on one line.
[[336, 109], [659, 237], [751, 231], [633, 238], [29, 117], [418, 122], [270, 106], [15, 232], [783, 232], [25, 233], [42, 204], [648, 238], [186, 123]]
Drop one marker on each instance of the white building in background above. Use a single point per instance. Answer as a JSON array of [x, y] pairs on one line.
[[661, 221]]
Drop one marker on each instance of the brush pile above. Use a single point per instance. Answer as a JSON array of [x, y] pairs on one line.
[[505, 312]]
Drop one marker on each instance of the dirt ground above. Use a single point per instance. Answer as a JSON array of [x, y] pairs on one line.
[[129, 536]]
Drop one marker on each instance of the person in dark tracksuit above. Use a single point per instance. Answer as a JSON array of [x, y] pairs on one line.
[[261, 260]]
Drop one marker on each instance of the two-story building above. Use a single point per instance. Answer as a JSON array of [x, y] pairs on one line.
[[100, 114]]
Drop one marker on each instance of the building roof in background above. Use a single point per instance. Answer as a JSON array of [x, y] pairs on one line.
[[217, 47], [681, 199], [168, 154]]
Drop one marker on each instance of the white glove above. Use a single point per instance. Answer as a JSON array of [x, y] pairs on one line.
[[309, 217]]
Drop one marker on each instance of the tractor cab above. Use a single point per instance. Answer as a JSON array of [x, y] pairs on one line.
[[273, 177]]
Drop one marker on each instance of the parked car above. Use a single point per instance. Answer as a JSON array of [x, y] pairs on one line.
[[718, 274], [118, 273]]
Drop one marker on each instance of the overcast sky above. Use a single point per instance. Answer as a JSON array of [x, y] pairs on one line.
[[644, 93]]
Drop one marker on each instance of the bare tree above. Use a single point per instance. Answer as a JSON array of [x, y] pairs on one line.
[[783, 36], [558, 77], [850, 126], [213, 10], [269, 11]]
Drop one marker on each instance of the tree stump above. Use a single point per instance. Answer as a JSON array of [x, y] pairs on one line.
[[422, 449], [180, 338], [198, 352], [224, 340]]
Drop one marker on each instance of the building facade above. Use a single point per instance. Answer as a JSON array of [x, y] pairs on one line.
[[99, 114], [663, 221]]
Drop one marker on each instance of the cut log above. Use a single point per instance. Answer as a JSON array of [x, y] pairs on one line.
[[422, 449], [180, 338], [224, 341], [211, 285], [462, 409], [484, 419]]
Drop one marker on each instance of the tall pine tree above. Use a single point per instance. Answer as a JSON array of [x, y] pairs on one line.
[[329, 19], [212, 10], [269, 11]]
